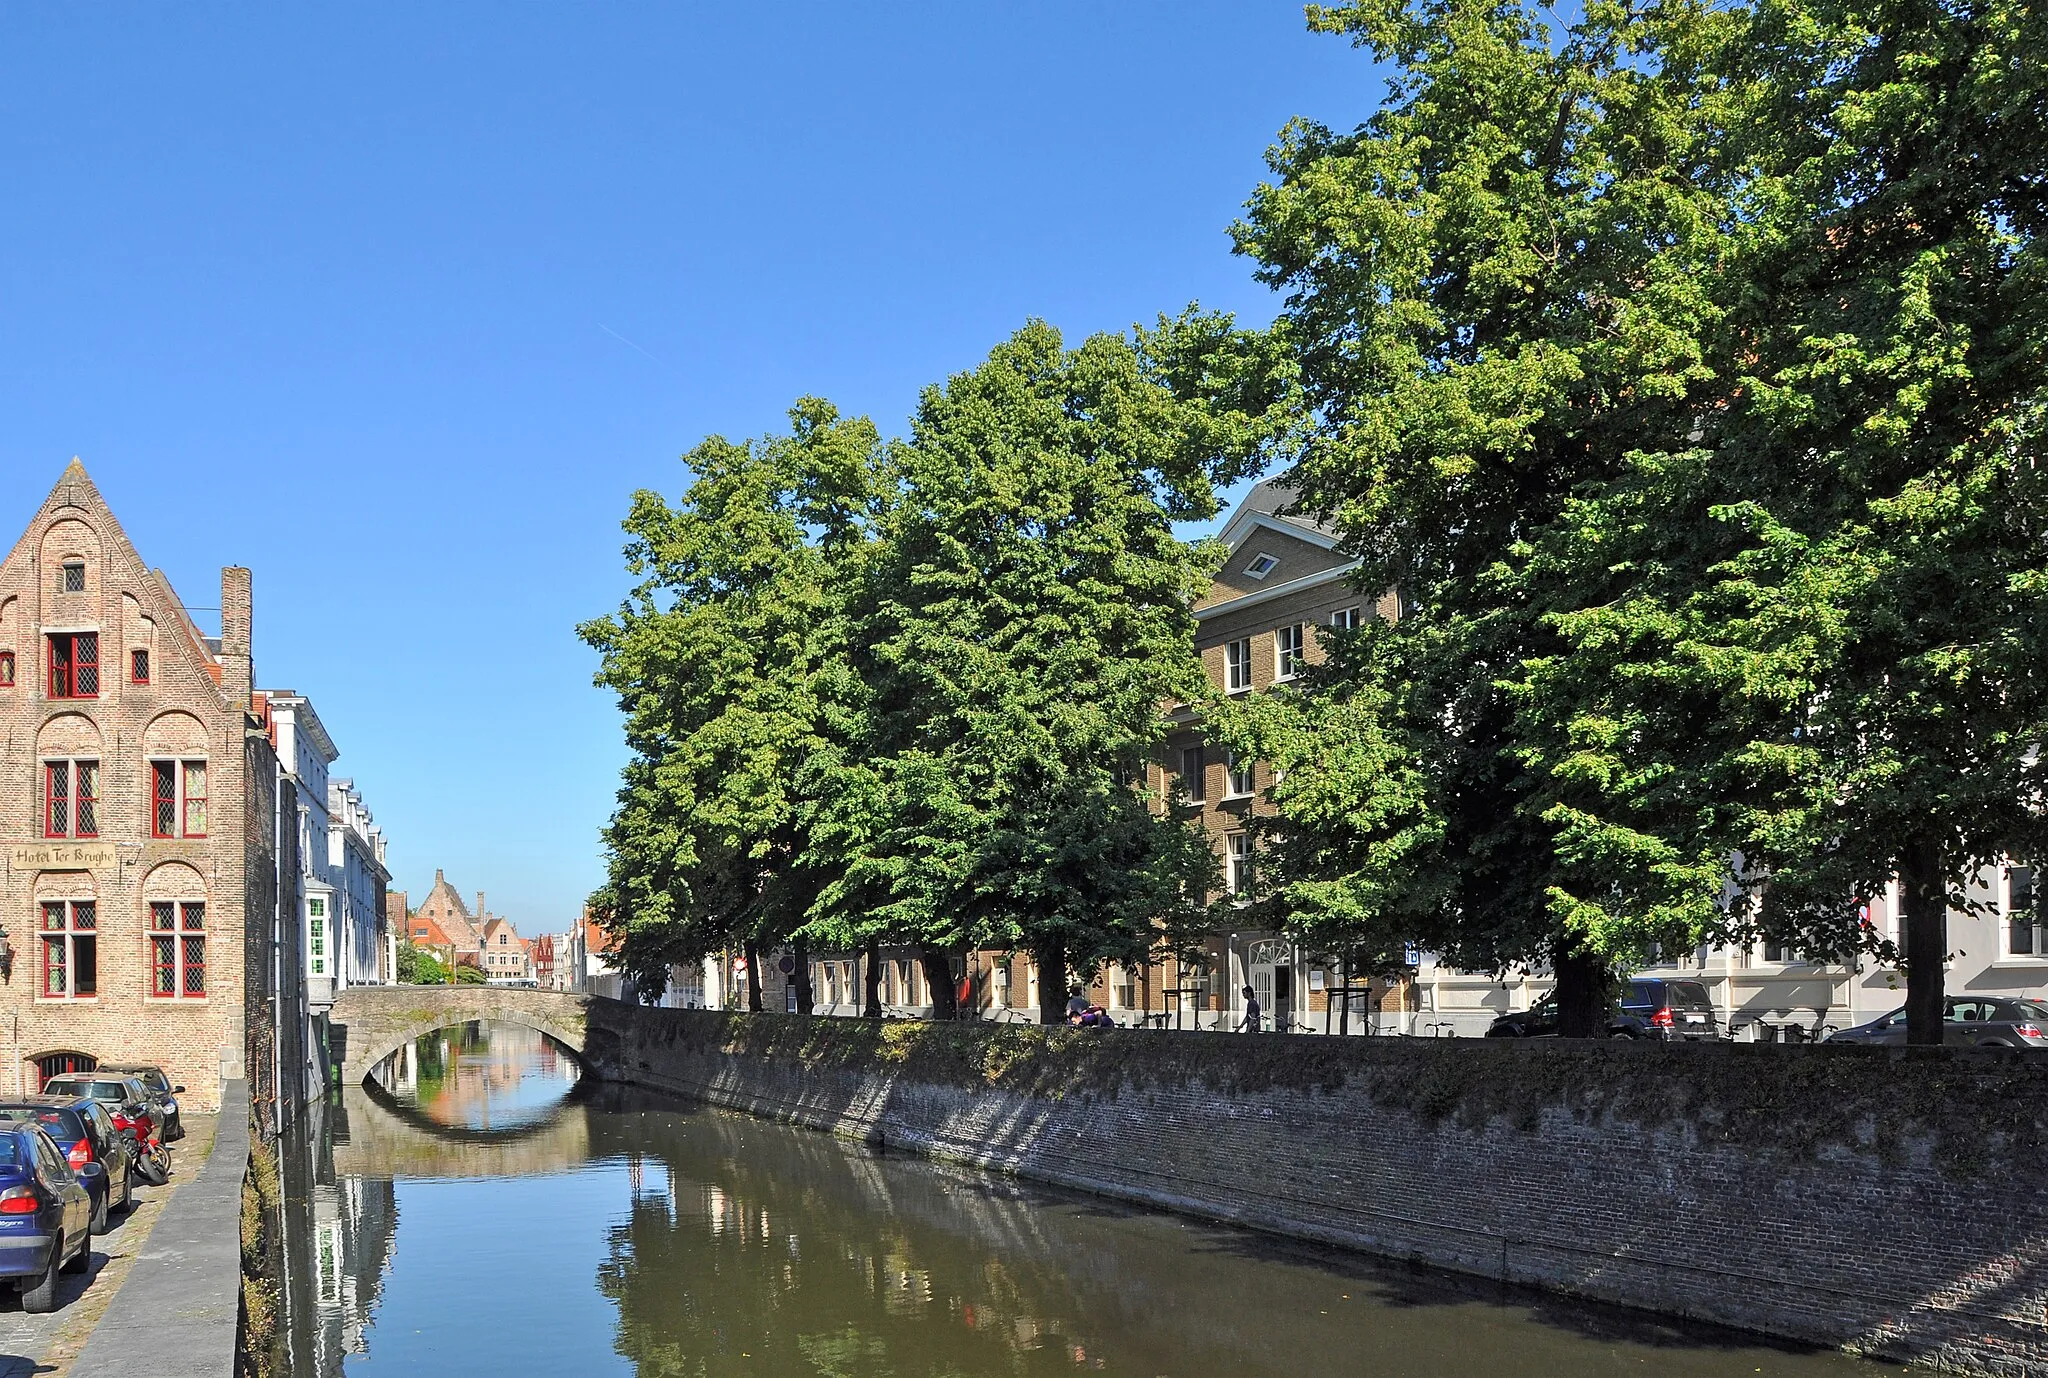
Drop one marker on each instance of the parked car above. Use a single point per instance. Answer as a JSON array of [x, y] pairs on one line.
[[45, 1215], [1650, 1007], [122, 1095], [161, 1093], [1985, 1021], [132, 1111], [84, 1133]]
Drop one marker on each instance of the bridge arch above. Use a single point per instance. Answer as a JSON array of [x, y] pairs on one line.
[[370, 1023]]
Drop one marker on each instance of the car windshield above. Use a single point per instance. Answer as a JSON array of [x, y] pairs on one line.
[[2029, 1009], [11, 1151], [110, 1090]]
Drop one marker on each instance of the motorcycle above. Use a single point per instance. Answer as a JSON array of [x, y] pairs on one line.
[[152, 1155]]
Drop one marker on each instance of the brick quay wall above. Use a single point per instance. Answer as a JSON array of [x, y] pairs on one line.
[[1886, 1201]]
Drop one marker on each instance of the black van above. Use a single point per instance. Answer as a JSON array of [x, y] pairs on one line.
[[1653, 1007]]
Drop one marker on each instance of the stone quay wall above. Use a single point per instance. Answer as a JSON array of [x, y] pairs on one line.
[[1881, 1200]]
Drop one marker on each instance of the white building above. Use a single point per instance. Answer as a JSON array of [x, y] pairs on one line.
[[589, 972], [365, 947], [342, 875], [2001, 950]]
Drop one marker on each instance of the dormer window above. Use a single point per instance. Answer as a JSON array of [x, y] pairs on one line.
[[72, 579], [1262, 564]]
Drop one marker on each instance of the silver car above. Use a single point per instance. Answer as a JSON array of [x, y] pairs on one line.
[[1984, 1021]]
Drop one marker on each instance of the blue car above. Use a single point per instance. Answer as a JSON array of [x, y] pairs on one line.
[[45, 1215]]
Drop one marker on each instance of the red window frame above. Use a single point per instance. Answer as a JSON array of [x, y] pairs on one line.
[[74, 665], [185, 771], [177, 949], [71, 799], [6, 669], [163, 798], [138, 665], [66, 924]]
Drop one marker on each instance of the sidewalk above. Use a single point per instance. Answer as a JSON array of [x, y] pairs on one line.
[[179, 1305]]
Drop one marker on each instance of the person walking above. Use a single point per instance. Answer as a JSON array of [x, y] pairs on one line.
[[1251, 1012]]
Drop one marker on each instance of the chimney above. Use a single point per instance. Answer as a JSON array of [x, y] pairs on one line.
[[480, 910], [237, 675]]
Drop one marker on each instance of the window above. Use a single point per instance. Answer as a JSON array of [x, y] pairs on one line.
[[2023, 929], [1241, 778], [1237, 665], [1261, 565], [138, 666], [1287, 661], [6, 669], [177, 943], [71, 950], [316, 943], [62, 1064], [177, 792], [1237, 873], [1194, 772], [71, 799], [316, 907], [1344, 620], [72, 579], [74, 665]]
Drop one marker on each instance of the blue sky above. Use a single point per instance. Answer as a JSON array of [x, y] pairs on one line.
[[399, 304]]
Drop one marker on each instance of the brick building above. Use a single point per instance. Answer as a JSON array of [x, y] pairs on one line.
[[137, 798], [443, 925], [505, 955]]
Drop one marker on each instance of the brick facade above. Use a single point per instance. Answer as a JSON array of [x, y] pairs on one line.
[[166, 712]]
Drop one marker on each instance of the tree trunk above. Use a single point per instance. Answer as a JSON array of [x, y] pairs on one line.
[[1582, 989], [938, 974], [871, 972], [1924, 919], [753, 951], [806, 997], [1052, 981]]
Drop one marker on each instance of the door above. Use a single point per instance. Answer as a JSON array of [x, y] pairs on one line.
[[1283, 998], [1262, 987]]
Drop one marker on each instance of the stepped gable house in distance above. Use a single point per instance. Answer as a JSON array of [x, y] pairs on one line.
[[134, 815]]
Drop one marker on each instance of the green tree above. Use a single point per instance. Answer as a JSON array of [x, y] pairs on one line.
[[1829, 661], [1030, 618], [420, 968], [1496, 298], [732, 665]]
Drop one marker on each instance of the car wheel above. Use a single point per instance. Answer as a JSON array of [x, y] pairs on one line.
[[102, 1210], [1624, 1035], [128, 1188], [41, 1296]]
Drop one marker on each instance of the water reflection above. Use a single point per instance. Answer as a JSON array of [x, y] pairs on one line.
[[479, 1076], [610, 1232]]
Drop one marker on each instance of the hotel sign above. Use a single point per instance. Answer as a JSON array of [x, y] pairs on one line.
[[62, 856]]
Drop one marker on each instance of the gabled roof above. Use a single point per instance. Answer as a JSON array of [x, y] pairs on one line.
[[447, 906], [75, 491], [1270, 504]]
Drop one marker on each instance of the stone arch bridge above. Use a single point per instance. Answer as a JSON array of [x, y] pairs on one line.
[[370, 1023]]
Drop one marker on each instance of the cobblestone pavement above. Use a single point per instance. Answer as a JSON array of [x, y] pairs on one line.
[[46, 1345]]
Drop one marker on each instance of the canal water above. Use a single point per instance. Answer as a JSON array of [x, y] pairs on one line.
[[480, 1212]]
